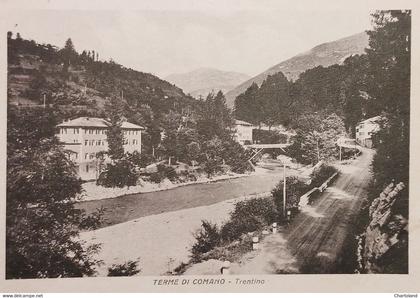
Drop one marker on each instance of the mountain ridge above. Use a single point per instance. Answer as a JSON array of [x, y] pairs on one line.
[[203, 80], [324, 54]]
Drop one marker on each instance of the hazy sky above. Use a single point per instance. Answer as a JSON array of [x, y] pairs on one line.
[[172, 41]]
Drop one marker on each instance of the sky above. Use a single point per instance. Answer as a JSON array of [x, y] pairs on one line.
[[170, 39]]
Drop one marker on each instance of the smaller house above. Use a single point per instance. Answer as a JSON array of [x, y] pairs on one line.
[[243, 132], [366, 129]]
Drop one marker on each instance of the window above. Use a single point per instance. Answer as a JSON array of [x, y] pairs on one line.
[[134, 142], [86, 156], [98, 143], [86, 142], [87, 168], [91, 156]]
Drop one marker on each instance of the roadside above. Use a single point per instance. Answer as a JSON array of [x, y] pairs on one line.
[[315, 238]]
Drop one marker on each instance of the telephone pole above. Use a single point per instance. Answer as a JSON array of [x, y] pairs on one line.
[[284, 190]]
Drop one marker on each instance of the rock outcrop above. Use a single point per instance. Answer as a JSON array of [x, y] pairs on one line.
[[384, 245]]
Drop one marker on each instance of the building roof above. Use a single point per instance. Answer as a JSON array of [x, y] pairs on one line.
[[373, 119], [95, 122], [240, 122]]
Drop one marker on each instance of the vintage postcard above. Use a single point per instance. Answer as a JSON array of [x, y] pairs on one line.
[[248, 146]]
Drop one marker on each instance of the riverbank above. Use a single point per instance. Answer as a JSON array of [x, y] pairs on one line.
[[160, 242], [92, 192]]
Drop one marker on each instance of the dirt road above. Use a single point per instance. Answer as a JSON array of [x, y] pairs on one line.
[[315, 238]]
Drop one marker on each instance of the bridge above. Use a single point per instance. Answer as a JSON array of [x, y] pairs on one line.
[[258, 148]]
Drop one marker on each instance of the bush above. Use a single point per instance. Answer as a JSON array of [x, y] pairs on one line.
[[119, 174], [321, 174], [294, 190], [206, 239], [140, 160], [127, 269], [162, 173], [348, 153], [212, 166], [249, 216]]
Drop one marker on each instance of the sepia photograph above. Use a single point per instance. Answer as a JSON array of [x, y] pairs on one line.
[[176, 143]]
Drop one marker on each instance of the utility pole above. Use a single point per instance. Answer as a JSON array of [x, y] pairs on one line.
[[284, 190], [317, 148], [340, 151]]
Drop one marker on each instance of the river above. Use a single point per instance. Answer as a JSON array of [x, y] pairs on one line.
[[128, 207]]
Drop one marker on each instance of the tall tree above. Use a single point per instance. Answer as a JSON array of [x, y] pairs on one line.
[[315, 137], [68, 54], [274, 99], [115, 136], [247, 106], [215, 118], [42, 223], [389, 56]]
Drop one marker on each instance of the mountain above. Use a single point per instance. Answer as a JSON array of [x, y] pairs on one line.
[[204, 80], [325, 54]]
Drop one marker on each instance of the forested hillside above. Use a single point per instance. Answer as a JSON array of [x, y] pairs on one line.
[[75, 84], [326, 54]]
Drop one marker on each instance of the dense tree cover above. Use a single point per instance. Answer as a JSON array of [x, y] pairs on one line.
[[316, 134], [267, 104], [206, 137], [389, 57], [41, 222]]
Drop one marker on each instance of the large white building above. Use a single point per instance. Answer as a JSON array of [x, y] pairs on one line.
[[84, 137], [243, 132], [365, 130]]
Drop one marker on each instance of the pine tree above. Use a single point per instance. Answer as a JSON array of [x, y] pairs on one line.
[[68, 54], [115, 136], [389, 56]]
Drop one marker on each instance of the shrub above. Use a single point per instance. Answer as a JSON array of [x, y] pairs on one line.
[[157, 177], [167, 172], [119, 174], [140, 160], [249, 216], [348, 153], [294, 190], [162, 173], [212, 166], [321, 174], [206, 239], [127, 269]]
